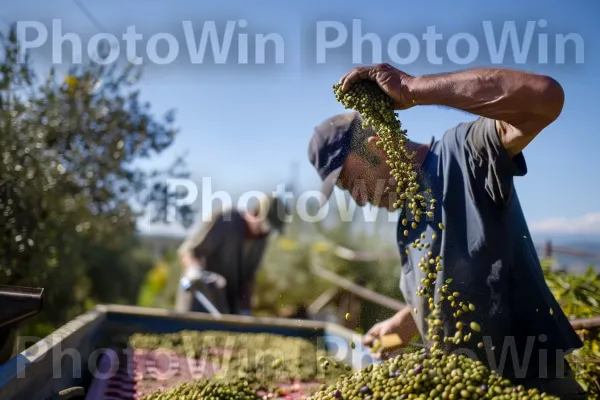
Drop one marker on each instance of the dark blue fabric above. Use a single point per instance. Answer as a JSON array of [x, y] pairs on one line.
[[487, 252]]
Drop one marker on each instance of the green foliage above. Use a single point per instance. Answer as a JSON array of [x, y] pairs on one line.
[[68, 185], [284, 280], [579, 297], [578, 294]]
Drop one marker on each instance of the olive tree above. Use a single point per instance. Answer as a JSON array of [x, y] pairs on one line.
[[70, 193]]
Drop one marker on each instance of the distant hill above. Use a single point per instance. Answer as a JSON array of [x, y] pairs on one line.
[[589, 240], [583, 243], [579, 264], [160, 244]]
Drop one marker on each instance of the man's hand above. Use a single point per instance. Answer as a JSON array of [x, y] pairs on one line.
[[402, 324], [393, 82], [192, 275]]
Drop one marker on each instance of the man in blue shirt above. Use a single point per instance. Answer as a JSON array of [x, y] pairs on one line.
[[485, 243]]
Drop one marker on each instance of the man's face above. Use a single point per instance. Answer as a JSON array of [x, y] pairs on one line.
[[368, 178]]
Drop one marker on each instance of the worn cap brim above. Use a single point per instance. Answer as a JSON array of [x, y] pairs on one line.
[[328, 185]]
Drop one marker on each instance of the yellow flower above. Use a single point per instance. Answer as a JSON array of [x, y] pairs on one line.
[[287, 244], [320, 247], [71, 81], [558, 295], [158, 276]]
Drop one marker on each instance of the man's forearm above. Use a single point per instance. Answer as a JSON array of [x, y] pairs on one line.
[[187, 260], [529, 102]]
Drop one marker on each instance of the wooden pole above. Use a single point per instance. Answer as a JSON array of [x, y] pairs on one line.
[[321, 301], [358, 290], [576, 253], [585, 323], [354, 311], [548, 252], [344, 308]]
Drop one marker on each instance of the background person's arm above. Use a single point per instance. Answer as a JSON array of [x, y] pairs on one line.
[[205, 241]]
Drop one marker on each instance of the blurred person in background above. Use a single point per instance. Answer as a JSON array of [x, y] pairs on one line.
[[230, 245], [486, 245]]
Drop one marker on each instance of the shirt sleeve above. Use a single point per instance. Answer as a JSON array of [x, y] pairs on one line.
[[491, 166], [208, 238]]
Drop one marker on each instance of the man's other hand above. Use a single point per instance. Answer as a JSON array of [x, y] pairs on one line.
[[401, 324]]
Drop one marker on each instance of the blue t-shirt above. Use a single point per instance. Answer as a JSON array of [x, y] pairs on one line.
[[488, 253]]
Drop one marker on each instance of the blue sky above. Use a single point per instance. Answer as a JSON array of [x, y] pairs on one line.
[[244, 126]]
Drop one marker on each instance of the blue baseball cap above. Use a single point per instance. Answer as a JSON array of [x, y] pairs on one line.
[[330, 145]]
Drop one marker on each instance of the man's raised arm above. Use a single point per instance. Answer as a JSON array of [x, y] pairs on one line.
[[522, 103]]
